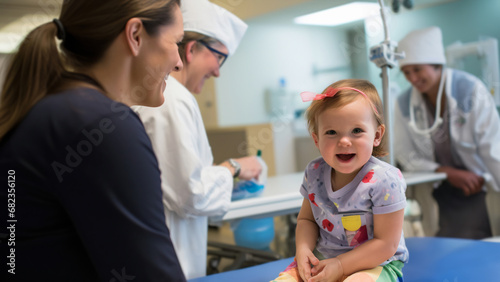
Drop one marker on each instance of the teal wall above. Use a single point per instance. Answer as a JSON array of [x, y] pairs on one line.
[[460, 20]]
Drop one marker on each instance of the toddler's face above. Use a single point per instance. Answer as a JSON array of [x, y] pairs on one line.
[[346, 136]]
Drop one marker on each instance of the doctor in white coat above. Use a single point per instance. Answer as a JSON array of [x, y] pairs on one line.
[[447, 122], [193, 187]]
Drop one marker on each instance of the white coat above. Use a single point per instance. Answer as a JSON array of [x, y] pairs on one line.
[[193, 188], [474, 128]]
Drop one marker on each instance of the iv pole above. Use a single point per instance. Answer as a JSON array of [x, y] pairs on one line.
[[384, 57]]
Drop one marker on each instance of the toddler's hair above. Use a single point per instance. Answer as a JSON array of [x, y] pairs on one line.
[[344, 97]]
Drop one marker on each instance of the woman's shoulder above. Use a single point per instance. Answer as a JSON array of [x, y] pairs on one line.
[[79, 106], [78, 101], [464, 87], [68, 113]]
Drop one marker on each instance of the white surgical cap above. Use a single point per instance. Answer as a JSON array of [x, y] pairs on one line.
[[204, 17], [423, 46]]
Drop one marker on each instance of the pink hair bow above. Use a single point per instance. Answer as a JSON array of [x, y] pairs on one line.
[[330, 92]]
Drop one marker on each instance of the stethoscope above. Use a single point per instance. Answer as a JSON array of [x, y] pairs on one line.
[[438, 120]]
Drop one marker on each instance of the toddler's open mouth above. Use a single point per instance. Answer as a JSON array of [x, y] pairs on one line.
[[345, 157]]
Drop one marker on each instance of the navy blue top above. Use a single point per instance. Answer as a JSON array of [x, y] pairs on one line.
[[87, 195]]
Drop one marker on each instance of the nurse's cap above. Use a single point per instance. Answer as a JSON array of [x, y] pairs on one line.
[[423, 46], [204, 17]]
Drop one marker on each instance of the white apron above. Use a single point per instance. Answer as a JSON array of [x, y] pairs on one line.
[[193, 188]]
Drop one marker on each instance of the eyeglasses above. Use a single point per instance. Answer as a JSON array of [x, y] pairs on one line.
[[221, 57]]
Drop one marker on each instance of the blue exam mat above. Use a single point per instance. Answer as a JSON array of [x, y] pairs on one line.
[[431, 259]]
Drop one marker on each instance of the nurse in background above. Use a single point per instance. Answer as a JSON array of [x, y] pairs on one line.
[[447, 122], [193, 187]]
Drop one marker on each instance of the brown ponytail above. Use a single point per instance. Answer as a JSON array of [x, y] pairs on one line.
[[34, 69]]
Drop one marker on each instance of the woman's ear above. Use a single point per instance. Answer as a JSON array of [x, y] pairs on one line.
[[378, 135], [134, 30], [189, 50]]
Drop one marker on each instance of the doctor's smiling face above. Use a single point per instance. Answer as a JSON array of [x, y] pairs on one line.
[[204, 64], [425, 78]]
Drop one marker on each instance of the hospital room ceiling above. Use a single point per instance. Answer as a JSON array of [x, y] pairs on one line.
[[18, 17], [289, 9]]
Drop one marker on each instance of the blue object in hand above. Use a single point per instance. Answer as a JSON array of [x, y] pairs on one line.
[[246, 189]]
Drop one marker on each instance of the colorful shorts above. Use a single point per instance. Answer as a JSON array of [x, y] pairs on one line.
[[391, 272]]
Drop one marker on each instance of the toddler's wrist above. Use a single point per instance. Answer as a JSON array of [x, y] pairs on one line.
[[339, 262]]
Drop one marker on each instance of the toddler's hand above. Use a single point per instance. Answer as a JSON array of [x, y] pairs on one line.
[[328, 270], [304, 260]]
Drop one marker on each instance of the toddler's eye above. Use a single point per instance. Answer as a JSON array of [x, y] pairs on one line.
[[330, 132], [357, 130]]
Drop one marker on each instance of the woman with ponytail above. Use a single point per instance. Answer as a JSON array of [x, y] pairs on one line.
[[83, 193]]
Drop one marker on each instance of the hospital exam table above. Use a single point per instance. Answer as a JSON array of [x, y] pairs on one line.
[[431, 259]]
